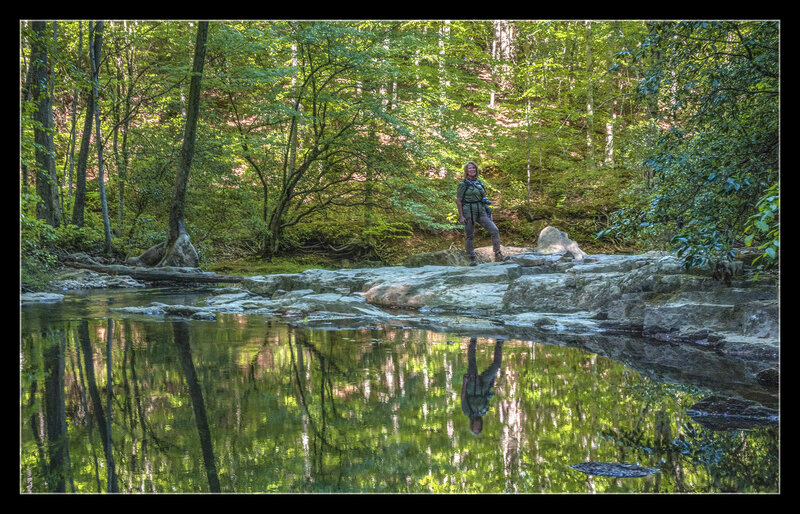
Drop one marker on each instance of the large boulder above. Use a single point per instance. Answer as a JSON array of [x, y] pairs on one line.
[[552, 240], [180, 254]]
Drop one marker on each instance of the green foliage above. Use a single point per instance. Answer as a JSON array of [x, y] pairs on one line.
[[764, 227], [36, 256], [70, 238], [41, 243], [385, 113], [717, 148], [382, 229]]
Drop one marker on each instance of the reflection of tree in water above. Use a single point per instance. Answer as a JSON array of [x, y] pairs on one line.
[[180, 330], [290, 409], [729, 461], [104, 398], [319, 409], [56, 449], [380, 408], [51, 435]]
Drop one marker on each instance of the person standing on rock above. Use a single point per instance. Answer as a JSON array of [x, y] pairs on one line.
[[473, 207]]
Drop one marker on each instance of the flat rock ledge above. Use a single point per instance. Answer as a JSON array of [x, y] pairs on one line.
[[690, 327], [649, 295]]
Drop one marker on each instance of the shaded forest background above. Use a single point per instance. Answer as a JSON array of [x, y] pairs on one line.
[[340, 143]]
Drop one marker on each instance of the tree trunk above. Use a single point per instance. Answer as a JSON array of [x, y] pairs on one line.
[[70, 160], [609, 158], [122, 122], [26, 95], [80, 168], [83, 156], [179, 250], [610, 124], [178, 275], [589, 99], [96, 47], [528, 129], [46, 182], [276, 223], [275, 227], [444, 84]]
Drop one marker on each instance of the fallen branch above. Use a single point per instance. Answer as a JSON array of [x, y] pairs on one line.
[[166, 274]]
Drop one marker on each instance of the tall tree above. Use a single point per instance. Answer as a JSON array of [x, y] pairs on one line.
[[324, 141], [178, 250], [589, 98], [70, 158], [46, 182], [79, 207], [122, 115], [95, 53]]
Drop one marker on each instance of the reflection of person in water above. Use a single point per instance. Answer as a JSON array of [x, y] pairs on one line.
[[476, 390]]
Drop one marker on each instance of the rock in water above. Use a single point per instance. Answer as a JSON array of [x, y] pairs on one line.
[[721, 413], [613, 469]]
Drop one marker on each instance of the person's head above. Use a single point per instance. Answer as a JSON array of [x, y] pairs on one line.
[[471, 170], [476, 425]]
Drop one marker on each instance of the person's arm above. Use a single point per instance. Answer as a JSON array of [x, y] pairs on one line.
[[459, 203], [461, 218]]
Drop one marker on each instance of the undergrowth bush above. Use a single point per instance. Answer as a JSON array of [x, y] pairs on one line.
[[41, 245]]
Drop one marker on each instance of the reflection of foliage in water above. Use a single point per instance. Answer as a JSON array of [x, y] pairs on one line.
[[725, 461], [364, 410], [735, 460]]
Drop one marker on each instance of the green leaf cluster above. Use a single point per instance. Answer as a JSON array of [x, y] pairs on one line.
[[717, 145], [764, 227]]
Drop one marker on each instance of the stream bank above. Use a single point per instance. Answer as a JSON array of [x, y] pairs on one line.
[[643, 310]]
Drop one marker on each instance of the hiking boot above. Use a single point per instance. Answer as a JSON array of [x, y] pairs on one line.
[[472, 261], [499, 257]]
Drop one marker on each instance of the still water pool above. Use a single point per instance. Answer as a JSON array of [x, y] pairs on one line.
[[248, 404]]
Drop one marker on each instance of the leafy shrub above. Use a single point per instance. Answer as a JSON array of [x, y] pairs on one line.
[[36, 257], [71, 238], [764, 227]]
